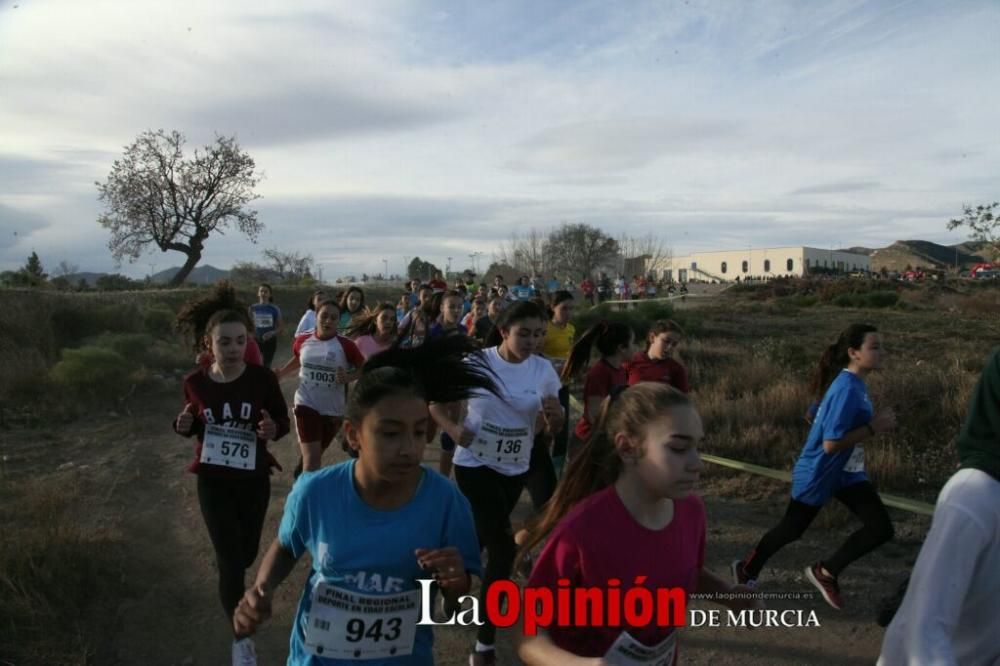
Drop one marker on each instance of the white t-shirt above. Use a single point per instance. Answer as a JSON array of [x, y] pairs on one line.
[[505, 428], [307, 323], [319, 361], [951, 611]]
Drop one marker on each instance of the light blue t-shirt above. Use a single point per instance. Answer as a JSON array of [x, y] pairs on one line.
[[818, 475], [370, 551], [522, 292]]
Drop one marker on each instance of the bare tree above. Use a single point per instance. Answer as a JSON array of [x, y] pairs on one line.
[[154, 195], [65, 268], [983, 225], [290, 266], [638, 254], [525, 253], [577, 249]]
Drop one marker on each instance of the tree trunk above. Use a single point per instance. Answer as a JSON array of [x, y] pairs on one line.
[[193, 257]]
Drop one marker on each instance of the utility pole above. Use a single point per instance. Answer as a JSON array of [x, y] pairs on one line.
[[385, 273], [447, 268]]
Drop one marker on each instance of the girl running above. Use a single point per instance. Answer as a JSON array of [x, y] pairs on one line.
[[558, 343], [352, 306], [477, 312], [495, 442], [267, 323], [376, 331], [308, 321], [326, 362], [614, 342], [659, 362], [375, 525], [448, 323], [626, 510], [832, 465], [233, 409]]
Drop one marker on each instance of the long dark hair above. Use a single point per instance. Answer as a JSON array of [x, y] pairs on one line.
[[607, 336], [445, 369], [368, 324], [193, 318], [598, 465], [835, 358], [343, 300], [312, 299], [518, 312]]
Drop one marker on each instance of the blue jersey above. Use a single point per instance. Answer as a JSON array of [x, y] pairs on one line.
[[368, 551], [265, 318], [522, 292], [819, 475]]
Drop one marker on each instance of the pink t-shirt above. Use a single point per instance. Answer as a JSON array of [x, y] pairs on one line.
[[368, 346], [599, 540]]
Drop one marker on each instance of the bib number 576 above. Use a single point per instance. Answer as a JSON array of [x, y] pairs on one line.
[[235, 449], [376, 631]]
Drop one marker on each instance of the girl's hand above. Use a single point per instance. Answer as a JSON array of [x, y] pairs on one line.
[[446, 566], [253, 610], [266, 428], [884, 421], [186, 419], [267, 336], [463, 437], [341, 376]]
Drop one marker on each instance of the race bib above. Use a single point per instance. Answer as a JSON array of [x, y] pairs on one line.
[[343, 624], [323, 376], [856, 463], [494, 443], [263, 320], [229, 447], [626, 651]]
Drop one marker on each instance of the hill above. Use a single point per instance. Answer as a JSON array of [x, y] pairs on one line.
[[200, 275], [89, 278], [925, 254]]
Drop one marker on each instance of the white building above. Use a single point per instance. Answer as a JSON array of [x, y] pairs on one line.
[[766, 262]]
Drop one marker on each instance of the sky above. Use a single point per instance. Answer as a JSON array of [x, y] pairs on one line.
[[391, 129]]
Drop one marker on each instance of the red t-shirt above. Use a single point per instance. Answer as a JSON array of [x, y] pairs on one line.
[[438, 285], [587, 287], [644, 369], [598, 384], [599, 540], [236, 404]]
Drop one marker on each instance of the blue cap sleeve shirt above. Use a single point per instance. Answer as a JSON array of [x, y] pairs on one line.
[[819, 475], [265, 318], [359, 552]]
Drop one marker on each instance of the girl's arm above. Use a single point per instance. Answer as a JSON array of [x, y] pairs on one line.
[[442, 413], [539, 650], [884, 421], [255, 606], [288, 368]]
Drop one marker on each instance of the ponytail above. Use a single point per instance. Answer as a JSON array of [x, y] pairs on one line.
[[598, 465], [835, 357], [447, 369], [608, 336]]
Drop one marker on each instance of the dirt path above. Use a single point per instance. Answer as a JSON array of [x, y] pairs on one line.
[[133, 477]]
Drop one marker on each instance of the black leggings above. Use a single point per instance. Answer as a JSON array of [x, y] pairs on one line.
[[234, 510], [860, 498], [267, 349], [493, 497], [561, 441]]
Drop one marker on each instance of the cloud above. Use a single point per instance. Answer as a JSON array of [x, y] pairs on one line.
[[620, 144], [17, 225], [837, 188]]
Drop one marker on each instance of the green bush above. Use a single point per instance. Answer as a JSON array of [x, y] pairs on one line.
[[92, 371], [881, 299], [639, 318], [73, 321], [134, 347], [158, 320]]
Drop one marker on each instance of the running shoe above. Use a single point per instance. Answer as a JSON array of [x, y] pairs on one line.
[[740, 576], [827, 585], [244, 653], [488, 658]]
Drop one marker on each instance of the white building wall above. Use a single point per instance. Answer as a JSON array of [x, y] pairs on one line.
[[770, 262]]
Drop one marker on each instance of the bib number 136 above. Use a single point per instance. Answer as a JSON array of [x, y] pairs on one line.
[[509, 446]]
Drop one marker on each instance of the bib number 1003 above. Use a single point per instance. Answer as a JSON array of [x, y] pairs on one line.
[[377, 630], [508, 446]]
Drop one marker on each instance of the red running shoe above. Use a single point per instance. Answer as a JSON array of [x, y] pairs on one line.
[[827, 585]]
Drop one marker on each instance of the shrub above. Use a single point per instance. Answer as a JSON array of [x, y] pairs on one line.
[[158, 320], [92, 371], [134, 347]]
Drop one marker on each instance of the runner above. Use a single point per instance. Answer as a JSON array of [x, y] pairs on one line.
[[614, 342], [308, 321], [651, 287], [376, 331], [523, 291], [659, 362], [438, 283], [558, 343], [949, 614], [448, 324], [267, 323], [352, 306], [496, 440], [831, 464], [587, 289], [375, 525], [477, 312], [233, 409], [484, 325], [325, 362], [194, 315], [626, 510], [603, 287]]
